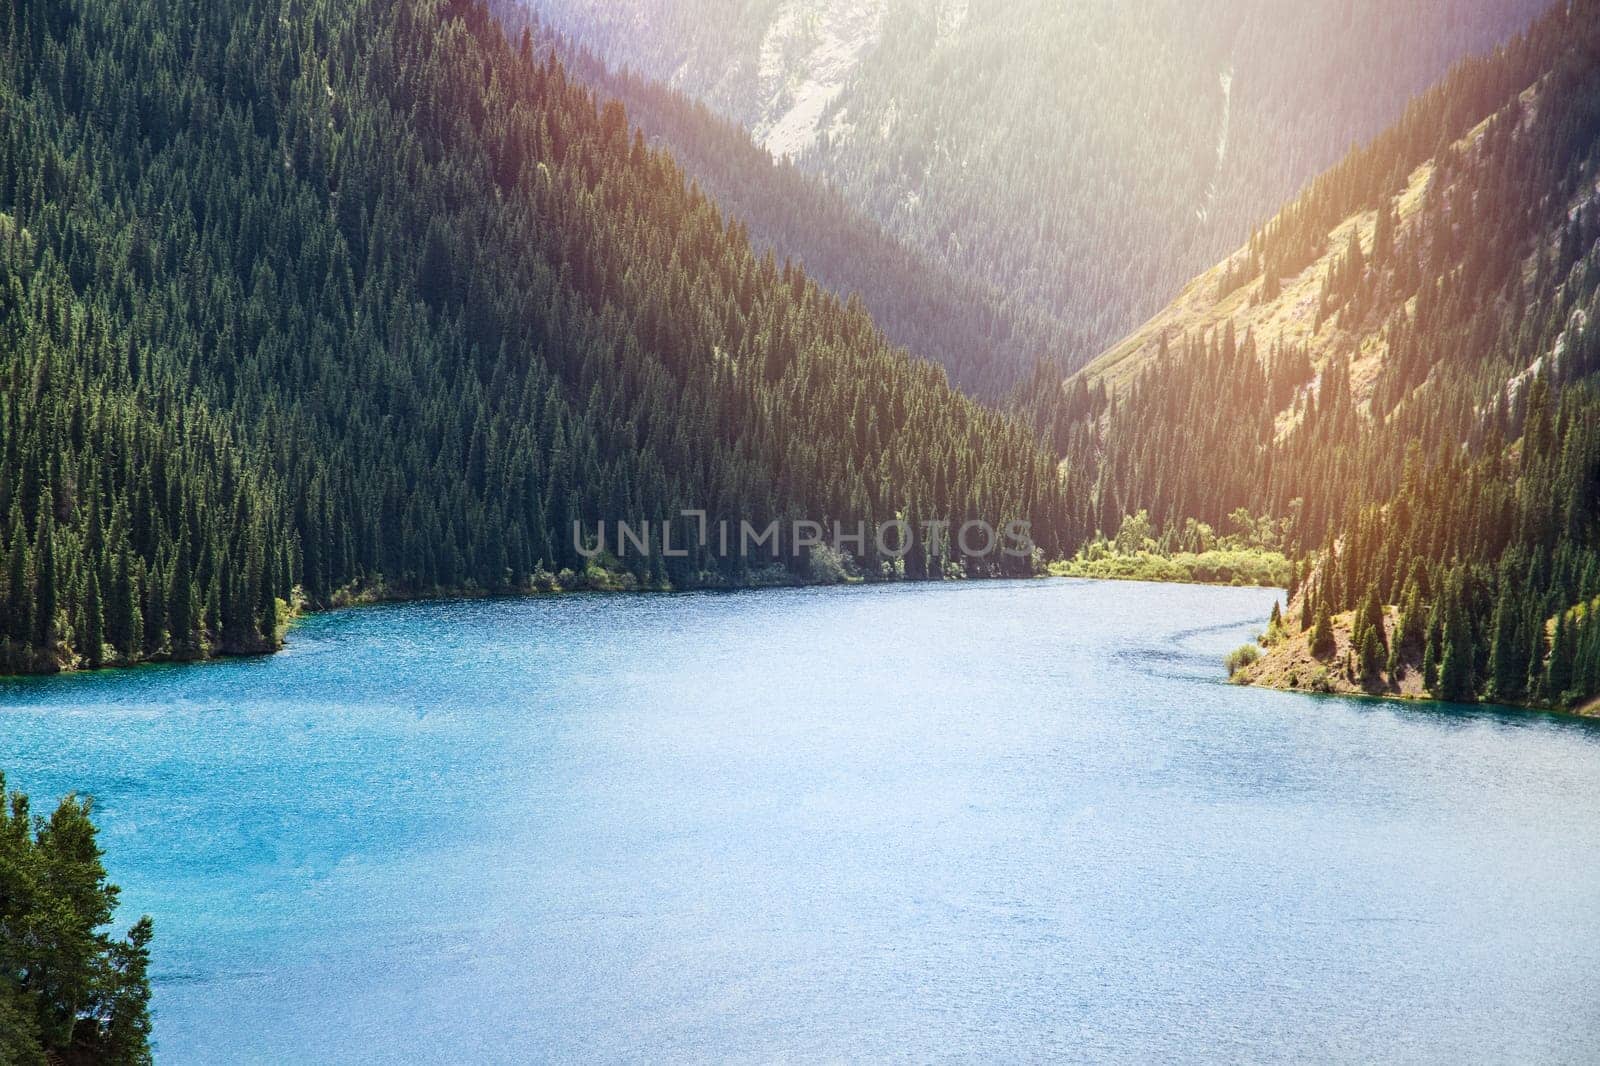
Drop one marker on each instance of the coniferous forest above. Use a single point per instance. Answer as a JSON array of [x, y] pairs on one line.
[[298, 312], [984, 336], [321, 300]]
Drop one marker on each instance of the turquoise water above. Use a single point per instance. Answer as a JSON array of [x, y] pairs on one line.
[[995, 821]]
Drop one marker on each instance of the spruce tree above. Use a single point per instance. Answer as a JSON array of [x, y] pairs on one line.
[[69, 992], [46, 595], [156, 635], [1321, 638], [91, 639], [267, 614], [1431, 648], [1508, 670], [123, 608], [1535, 657], [1563, 652], [1455, 658], [181, 603], [17, 623], [1372, 655], [1413, 619], [1369, 620]]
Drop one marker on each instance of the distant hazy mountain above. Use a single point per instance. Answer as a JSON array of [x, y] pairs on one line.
[[1082, 158], [984, 337]]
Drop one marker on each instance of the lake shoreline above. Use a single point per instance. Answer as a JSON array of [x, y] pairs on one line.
[[1286, 663], [1585, 712], [594, 582], [606, 582]]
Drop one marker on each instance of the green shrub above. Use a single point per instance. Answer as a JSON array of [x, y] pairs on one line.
[[828, 567], [1242, 656], [1231, 567]]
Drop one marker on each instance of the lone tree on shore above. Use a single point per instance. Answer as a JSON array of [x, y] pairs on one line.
[[69, 992]]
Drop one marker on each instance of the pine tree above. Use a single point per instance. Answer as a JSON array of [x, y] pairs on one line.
[[1369, 621], [19, 585], [1535, 656], [181, 604], [1508, 670], [69, 993], [124, 627], [1563, 652], [46, 598], [1383, 234], [267, 614], [91, 638], [1413, 619], [156, 635], [1455, 659], [1372, 655], [124, 1000], [1431, 648], [1586, 663], [1321, 640]]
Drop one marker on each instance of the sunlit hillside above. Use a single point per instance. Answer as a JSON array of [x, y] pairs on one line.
[[1083, 158], [1401, 367]]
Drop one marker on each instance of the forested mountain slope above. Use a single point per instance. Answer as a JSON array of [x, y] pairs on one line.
[[1084, 158], [1404, 365], [364, 296], [985, 338]]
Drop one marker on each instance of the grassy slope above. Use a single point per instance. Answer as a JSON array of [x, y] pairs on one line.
[[1287, 662], [1291, 316]]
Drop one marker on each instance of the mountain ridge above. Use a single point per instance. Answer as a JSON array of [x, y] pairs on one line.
[[985, 339], [1086, 159], [330, 298], [1402, 368]]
